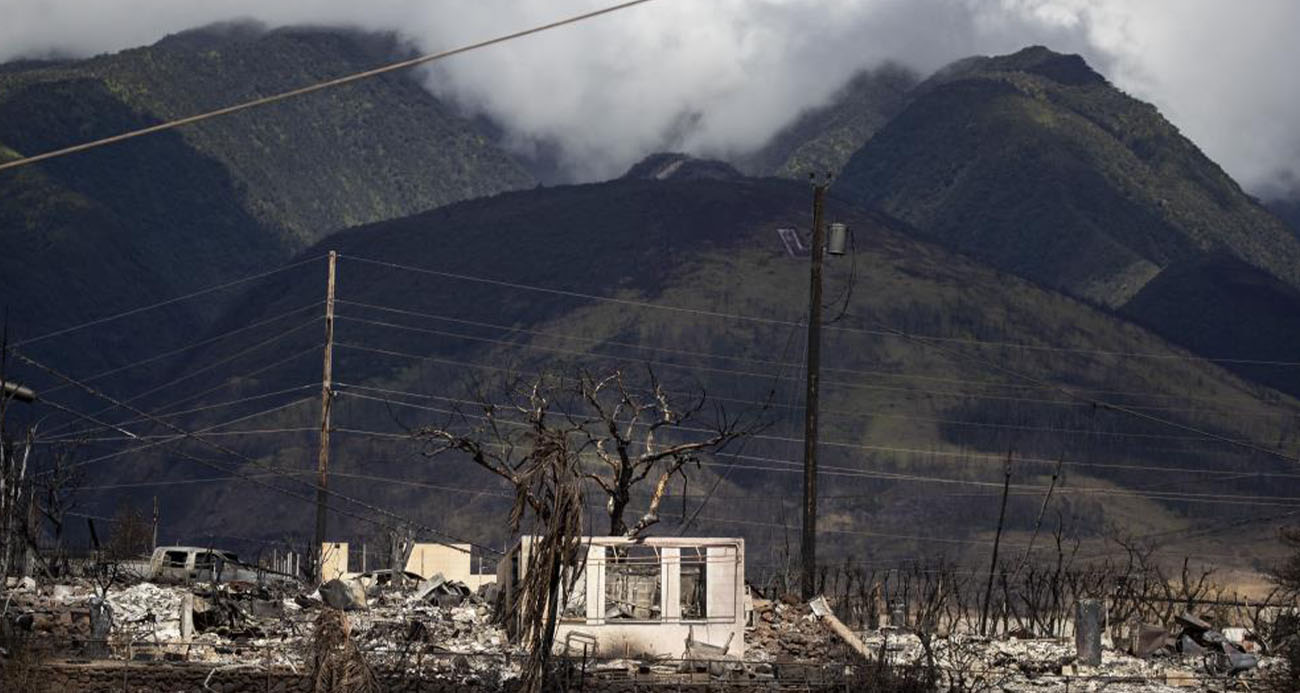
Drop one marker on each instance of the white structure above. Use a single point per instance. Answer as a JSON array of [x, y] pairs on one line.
[[647, 597], [453, 561]]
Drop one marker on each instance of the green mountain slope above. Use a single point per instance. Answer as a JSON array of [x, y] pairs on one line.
[[892, 406], [822, 139], [1034, 163], [110, 229]]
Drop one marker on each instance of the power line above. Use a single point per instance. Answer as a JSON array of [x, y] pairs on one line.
[[1132, 411], [505, 494], [861, 413], [187, 347], [189, 374], [160, 304], [181, 434], [840, 444], [695, 354], [404, 64], [960, 455], [76, 436], [190, 435], [1080, 400], [833, 383], [166, 438], [707, 313]]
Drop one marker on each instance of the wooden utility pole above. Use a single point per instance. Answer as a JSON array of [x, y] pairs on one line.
[[809, 543], [326, 398]]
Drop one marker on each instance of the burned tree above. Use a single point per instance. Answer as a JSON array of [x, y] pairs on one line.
[[539, 453], [1285, 630], [132, 534], [636, 434], [15, 493], [15, 487], [627, 433], [56, 492]]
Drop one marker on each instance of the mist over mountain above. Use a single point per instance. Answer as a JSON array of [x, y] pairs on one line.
[[822, 139], [602, 95]]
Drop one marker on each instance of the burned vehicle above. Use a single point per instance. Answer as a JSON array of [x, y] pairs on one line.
[[186, 564]]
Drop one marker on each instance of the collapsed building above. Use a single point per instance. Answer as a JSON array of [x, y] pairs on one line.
[[455, 562], [652, 597], [655, 611]]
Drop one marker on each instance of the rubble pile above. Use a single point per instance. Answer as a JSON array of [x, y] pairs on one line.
[[1156, 661], [784, 630], [443, 629], [443, 625], [47, 615], [1231, 651], [144, 612]]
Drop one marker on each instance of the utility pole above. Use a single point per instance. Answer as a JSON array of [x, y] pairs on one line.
[[809, 544], [326, 399]]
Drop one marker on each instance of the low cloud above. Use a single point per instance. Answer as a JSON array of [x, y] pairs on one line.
[[721, 76]]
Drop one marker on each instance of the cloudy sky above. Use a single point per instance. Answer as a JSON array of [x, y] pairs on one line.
[[613, 89]]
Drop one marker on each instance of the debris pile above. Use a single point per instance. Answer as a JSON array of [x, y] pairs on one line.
[[443, 628], [1157, 659], [784, 630], [442, 624], [1227, 652], [144, 612]]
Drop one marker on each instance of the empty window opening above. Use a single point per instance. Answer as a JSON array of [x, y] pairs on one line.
[[480, 562], [633, 583], [175, 559], [575, 603], [694, 582]]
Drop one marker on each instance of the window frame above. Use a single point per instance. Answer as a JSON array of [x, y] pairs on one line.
[[613, 561]]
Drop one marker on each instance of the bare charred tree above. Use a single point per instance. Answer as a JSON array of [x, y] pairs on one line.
[[14, 497], [132, 534], [56, 495], [625, 433], [539, 451], [1285, 632], [638, 434], [15, 490]]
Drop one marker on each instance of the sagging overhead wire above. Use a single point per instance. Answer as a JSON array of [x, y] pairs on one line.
[[510, 330], [189, 374], [708, 313], [301, 91], [160, 304], [234, 453], [828, 383], [187, 347], [345, 390]]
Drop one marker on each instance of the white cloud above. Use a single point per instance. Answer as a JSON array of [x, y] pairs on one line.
[[613, 89]]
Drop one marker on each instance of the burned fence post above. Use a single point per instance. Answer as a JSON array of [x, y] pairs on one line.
[[1087, 631]]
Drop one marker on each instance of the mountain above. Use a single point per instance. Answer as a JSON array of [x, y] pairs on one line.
[[1034, 163], [676, 166], [434, 306], [116, 227], [822, 139], [1288, 210]]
